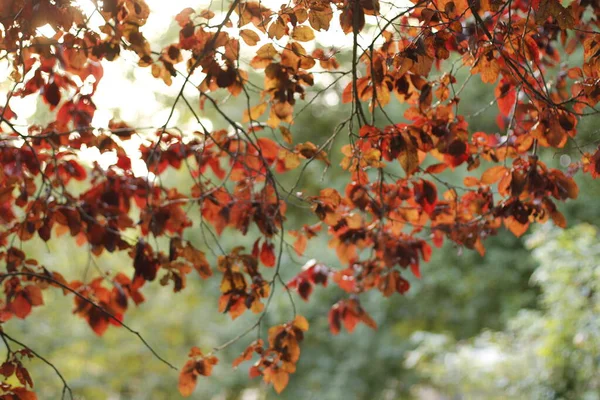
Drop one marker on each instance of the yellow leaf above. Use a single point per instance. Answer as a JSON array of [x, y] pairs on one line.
[[277, 29], [255, 112], [303, 34], [301, 323], [267, 51]]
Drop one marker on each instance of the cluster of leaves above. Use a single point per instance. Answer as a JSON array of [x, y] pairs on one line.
[[13, 366], [396, 201]]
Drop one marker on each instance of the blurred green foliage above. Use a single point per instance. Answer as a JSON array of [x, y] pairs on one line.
[[549, 353]]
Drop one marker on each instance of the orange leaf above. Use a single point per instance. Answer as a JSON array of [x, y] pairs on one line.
[[280, 380], [187, 379], [350, 320], [493, 174], [471, 181], [267, 255], [436, 168], [367, 320], [515, 226], [347, 94], [268, 148], [300, 244], [559, 219]]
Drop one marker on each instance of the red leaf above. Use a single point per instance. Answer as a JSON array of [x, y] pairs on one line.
[[99, 324], [20, 306], [52, 95], [34, 295], [506, 96], [414, 267], [267, 254], [253, 372]]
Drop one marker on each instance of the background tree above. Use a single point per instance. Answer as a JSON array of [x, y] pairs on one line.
[[405, 177], [550, 353]]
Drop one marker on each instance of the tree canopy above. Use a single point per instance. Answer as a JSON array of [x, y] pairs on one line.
[[246, 72]]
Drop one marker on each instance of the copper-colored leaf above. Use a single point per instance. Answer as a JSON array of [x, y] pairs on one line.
[[249, 37], [187, 379], [303, 34], [280, 380], [267, 254], [493, 174]]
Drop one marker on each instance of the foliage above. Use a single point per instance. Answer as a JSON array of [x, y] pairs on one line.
[[551, 353], [398, 196]]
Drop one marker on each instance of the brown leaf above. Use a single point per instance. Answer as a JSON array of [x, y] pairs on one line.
[[303, 34], [277, 29], [287, 135], [250, 37], [320, 19]]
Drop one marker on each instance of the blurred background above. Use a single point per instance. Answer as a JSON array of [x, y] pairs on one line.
[[521, 322]]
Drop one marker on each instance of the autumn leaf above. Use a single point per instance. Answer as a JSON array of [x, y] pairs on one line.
[[197, 365], [250, 37], [301, 323], [493, 174], [320, 18], [24, 394], [516, 227], [254, 113], [280, 380], [506, 96], [424, 175], [409, 160], [303, 33], [52, 94], [287, 135], [187, 379], [553, 8], [267, 254]]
